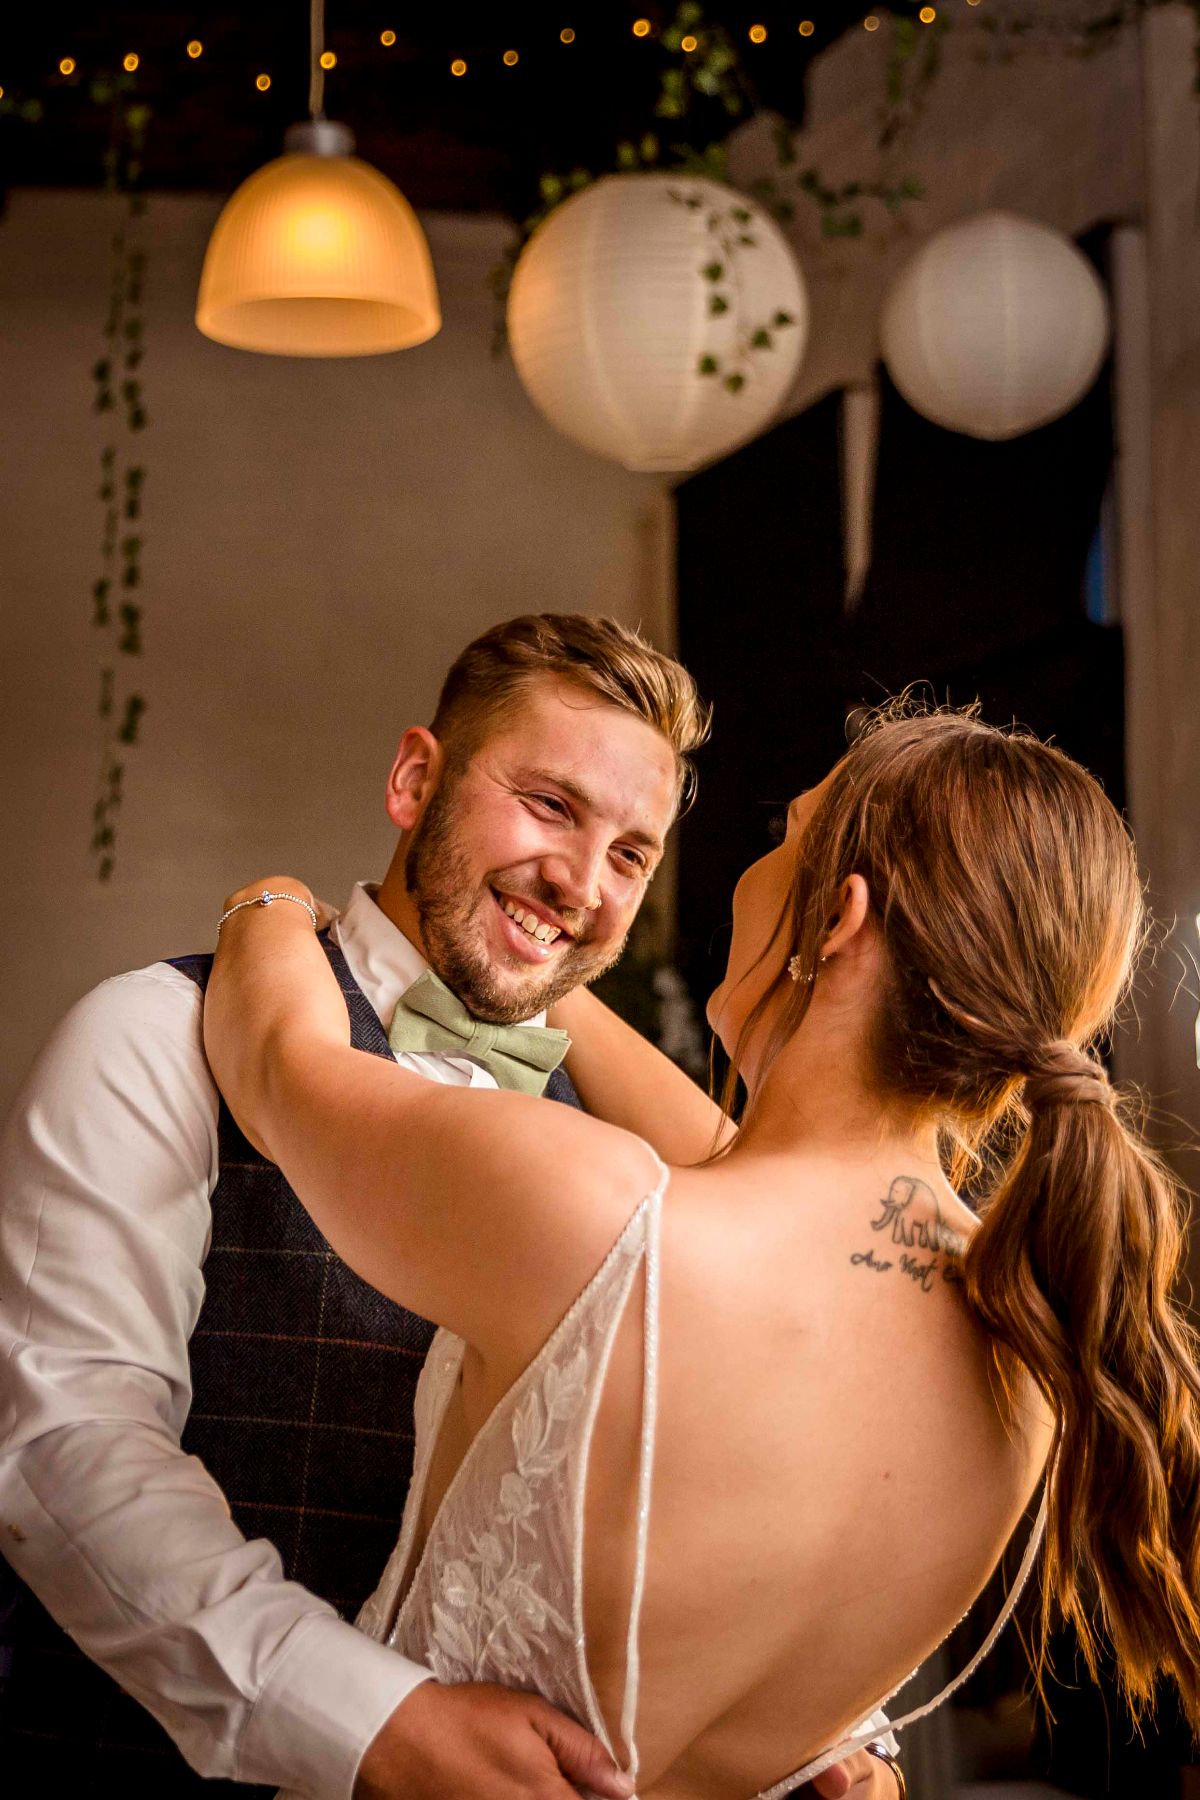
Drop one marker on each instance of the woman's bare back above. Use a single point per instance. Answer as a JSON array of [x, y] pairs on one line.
[[833, 1481]]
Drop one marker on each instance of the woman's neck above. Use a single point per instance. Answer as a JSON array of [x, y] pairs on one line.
[[816, 1100]]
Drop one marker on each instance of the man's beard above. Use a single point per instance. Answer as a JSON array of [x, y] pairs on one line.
[[437, 875]]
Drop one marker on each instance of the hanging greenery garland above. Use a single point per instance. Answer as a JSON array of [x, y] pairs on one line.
[[116, 601]]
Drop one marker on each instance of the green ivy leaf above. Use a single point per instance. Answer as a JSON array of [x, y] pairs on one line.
[[762, 339], [742, 215], [782, 318], [713, 271], [627, 156], [735, 382], [717, 303], [135, 706], [708, 365]]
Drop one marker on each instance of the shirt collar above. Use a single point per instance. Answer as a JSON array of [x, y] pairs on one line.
[[382, 960]]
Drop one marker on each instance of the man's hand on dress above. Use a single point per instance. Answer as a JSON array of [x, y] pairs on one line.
[[444, 1742], [860, 1777]]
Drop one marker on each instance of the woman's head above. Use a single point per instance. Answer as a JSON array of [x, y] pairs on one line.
[[990, 896], [1000, 891]]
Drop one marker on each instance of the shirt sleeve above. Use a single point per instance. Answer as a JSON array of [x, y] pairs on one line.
[[107, 1165]]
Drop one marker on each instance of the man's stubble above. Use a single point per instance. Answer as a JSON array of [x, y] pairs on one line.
[[437, 875]]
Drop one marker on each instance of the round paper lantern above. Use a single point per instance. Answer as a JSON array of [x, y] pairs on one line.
[[318, 254], [657, 320], [997, 325]]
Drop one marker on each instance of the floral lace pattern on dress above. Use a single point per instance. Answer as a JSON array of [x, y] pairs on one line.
[[494, 1595]]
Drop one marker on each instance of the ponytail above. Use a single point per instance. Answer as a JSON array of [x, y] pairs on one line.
[[1071, 1272]]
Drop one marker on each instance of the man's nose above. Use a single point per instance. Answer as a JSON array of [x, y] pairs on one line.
[[576, 876]]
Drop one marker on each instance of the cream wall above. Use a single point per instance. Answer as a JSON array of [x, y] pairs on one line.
[[321, 539]]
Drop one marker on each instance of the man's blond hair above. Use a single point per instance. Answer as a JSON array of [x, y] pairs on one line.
[[598, 654]]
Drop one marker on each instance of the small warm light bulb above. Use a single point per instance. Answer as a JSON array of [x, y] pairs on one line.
[[67, 66], [328, 59], [758, 34], [641, 28], [1, 93], [927, 15], [262, 83], [807, 28], [387, 39], [871, 22], [688, 43], [194, 48], [458, 66], [510, 59], [567, 35], [131, 62]]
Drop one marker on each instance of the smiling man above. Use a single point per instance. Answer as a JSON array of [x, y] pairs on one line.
[[207, 1419]]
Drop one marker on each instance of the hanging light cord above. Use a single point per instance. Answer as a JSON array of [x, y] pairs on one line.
[[316, 81]]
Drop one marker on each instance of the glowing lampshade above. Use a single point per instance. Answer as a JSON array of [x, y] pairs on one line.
[[996, 326], [318, 254], [658, 320]]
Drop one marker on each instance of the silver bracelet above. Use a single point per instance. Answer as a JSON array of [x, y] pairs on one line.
[[265, 899]]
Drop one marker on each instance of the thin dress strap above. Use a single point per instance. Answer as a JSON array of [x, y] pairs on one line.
[[861, 1737], [649, 1417]]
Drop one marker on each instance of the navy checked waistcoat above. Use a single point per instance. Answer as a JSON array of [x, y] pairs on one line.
[[302, 1392]]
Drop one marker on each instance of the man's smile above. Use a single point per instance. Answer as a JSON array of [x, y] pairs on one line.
[[532, 930]]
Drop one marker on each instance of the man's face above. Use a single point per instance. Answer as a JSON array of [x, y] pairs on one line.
[[527, 868]]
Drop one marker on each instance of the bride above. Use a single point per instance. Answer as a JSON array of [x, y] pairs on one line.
[[714, 1455]]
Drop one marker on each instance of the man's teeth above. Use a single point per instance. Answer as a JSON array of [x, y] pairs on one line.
[[529, 921]]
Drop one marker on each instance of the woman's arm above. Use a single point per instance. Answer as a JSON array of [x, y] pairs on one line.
[[485, 1211], [622, 1078]]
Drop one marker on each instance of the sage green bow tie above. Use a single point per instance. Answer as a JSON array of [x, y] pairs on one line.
[[429, 1018]]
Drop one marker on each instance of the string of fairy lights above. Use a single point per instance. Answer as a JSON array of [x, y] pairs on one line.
[[757, 35]]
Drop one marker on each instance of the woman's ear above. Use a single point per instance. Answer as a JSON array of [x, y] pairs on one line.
[[414, 776], [853, 909]]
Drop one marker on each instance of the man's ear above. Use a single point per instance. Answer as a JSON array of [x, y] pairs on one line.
[[414, 776], [853, 908]]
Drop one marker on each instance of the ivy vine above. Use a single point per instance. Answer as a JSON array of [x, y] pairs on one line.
[[710, 69], [118, 394]]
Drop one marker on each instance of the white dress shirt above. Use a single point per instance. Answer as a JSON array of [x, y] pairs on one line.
[[107, 1165]]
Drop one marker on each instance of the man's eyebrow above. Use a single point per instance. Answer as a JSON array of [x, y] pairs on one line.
[[582, 798]]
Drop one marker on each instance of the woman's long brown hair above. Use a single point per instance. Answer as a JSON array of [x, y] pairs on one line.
[[1007, 893]]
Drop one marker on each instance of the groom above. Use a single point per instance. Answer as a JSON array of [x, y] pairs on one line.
[[206, 1420]]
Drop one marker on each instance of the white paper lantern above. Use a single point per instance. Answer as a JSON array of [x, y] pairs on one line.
[[997, 325], [632, 288]]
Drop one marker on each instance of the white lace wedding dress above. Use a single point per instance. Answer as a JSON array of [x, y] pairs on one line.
[[497, 1594]]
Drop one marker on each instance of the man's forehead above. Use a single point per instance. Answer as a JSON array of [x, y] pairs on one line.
[[604, 757]]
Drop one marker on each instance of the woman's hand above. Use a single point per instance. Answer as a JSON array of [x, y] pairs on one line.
[[271, 993]]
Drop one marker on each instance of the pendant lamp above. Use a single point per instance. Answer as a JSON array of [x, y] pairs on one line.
[[317, 253]]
